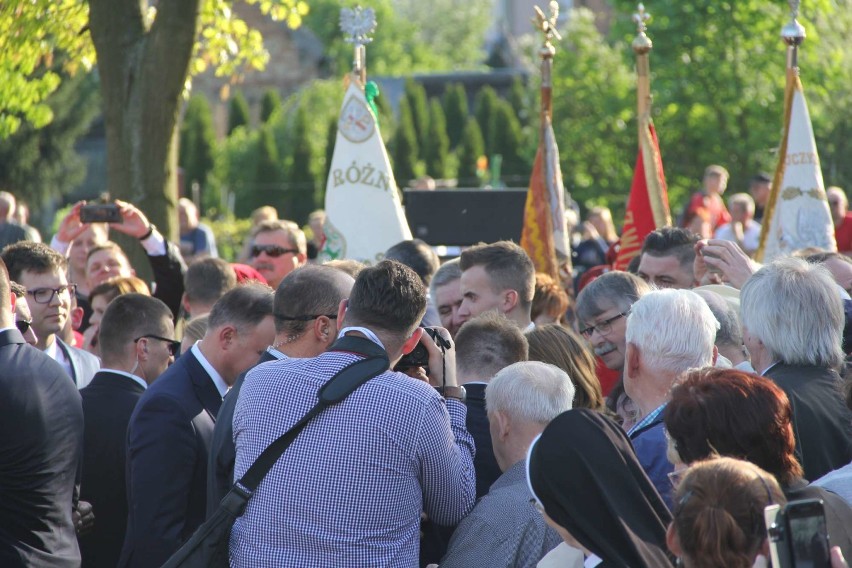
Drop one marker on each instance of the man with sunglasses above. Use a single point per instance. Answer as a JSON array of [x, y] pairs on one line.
[[23, 316], [42, 271], [137, 345], [279, 247]]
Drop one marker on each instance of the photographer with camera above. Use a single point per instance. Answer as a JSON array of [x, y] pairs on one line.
[[350, 489]]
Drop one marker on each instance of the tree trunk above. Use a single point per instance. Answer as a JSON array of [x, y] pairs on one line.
[[142, 72]]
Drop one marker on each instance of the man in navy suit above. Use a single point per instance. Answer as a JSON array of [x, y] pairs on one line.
[[170, 431], [42, 421], [42, 271], [305, 311], [137, 343]]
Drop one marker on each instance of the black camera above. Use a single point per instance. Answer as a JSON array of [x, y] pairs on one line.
[[419, 356], [798, 535]]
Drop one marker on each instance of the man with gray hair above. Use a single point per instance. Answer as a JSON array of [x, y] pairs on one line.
[[668, 332], [792, 325], [504, 529], [445, 294], [170, 431], [729, 338], [742, 229]]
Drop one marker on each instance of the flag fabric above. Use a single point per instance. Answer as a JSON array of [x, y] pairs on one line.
[[797, 214], [544, 235], [362, 203], [648, 204]]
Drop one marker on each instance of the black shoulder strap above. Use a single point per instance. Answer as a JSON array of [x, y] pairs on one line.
[[332, 392]]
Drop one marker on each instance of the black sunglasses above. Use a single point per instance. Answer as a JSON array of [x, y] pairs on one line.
[[23, 325], [273, 251], [172, 344]]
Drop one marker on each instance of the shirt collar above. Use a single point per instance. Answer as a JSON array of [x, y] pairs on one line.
[[217, 379], [135, 378], [53, 351], [592, 560], [767, 369], [276, 353], [7, 329], [530, 327], [648, 419]]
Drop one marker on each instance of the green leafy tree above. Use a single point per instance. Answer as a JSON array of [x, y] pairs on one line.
[[268, 178], [455, 111], [270, 103], [438, 149], [519, 99], [484, 108], [197, 146], [509, 143], [419, 105], [302, 182], [238, 113], [405, 146], [470, 149], [39, 165]]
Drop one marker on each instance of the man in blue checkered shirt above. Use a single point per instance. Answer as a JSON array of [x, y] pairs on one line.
[[350, 489]]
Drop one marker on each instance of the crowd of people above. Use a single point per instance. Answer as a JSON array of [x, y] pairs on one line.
[[633, 419]]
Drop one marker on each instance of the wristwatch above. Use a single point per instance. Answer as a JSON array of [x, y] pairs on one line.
[[458, 393]]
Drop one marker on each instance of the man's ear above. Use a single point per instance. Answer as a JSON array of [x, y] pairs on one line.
[[322, 328], [502, 423], [672, 541], [510, 300], [13, 299], [184, 301], [633, 359], [341, 312], [302, 257], [226, 336], [715, 355], [412, 341]]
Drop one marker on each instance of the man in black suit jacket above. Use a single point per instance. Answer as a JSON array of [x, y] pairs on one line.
[[305, 306], [170, 431], [136, 341], [42, 271], [42, 422]]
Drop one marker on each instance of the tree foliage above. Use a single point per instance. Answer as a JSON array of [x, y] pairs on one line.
[[455, 112], [484, 108], [238, 113], [197, 146], [270, 103], [268, 176], [415, 95], [471, 148], [436, 153], [405, 148], [302, 187], [509, 143]]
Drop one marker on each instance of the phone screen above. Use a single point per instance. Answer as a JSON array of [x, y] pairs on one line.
[[808, 537]]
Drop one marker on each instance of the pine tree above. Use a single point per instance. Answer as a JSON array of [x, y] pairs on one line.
[[455, 112], [405, 146], [439, 143], [267, 178], [508, 142], [238, 113], [197, 145], [270, 102], [419, 105], [519, 100], [485, 106], [470, 149], [301, 193]]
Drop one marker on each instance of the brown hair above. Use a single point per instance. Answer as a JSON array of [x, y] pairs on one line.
[[718, 513], [487, 344], [118, 286], [508, 267], [388, 296], [34, 257], [732, 413], [549, 298], [559, 346]]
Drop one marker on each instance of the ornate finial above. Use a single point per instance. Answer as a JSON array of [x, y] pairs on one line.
[[357, 23], [793, 33], [642, 43], [547, 26]]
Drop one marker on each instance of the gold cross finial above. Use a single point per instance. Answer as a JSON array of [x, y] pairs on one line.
[[546, 25], [640, 17]]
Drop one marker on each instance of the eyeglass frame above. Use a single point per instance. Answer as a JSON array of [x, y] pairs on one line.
[[172, 344], [255, 251], [70, 288], [604, 327]]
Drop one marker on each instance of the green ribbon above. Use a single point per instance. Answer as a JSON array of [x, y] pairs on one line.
[[371, 91]]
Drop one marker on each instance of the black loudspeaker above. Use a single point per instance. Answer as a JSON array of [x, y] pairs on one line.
[[462, 217]]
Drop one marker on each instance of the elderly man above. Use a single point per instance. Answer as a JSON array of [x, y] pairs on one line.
[[729, 338], [668, 332], [498, 276], [742, 229], [504, 529], [666, 258], [445, 295], [278, 248], [792, 325]]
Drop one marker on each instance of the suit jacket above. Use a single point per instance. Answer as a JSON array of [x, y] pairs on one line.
[[169, 270], [487, 470], [108, 403], [41, 418], [84, 365], [168, 443], [223, 453], [821, 421]]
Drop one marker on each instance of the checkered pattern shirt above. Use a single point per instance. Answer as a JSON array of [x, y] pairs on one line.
[[350, 489]]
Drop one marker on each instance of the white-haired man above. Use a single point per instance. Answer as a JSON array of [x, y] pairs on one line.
[[668, 332], [504, 529], [792, 325]]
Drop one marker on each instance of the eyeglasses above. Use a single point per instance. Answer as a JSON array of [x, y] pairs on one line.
[[304, 318], [273, 251], [45, 295], [23, 325], [676, 476], [603, 327], [172, 344]]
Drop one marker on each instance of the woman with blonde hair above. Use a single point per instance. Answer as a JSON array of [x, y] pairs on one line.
[[601, 219], [559, 346]]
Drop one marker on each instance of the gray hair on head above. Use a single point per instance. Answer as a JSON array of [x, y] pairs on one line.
[[530, 391], [613, 289]]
